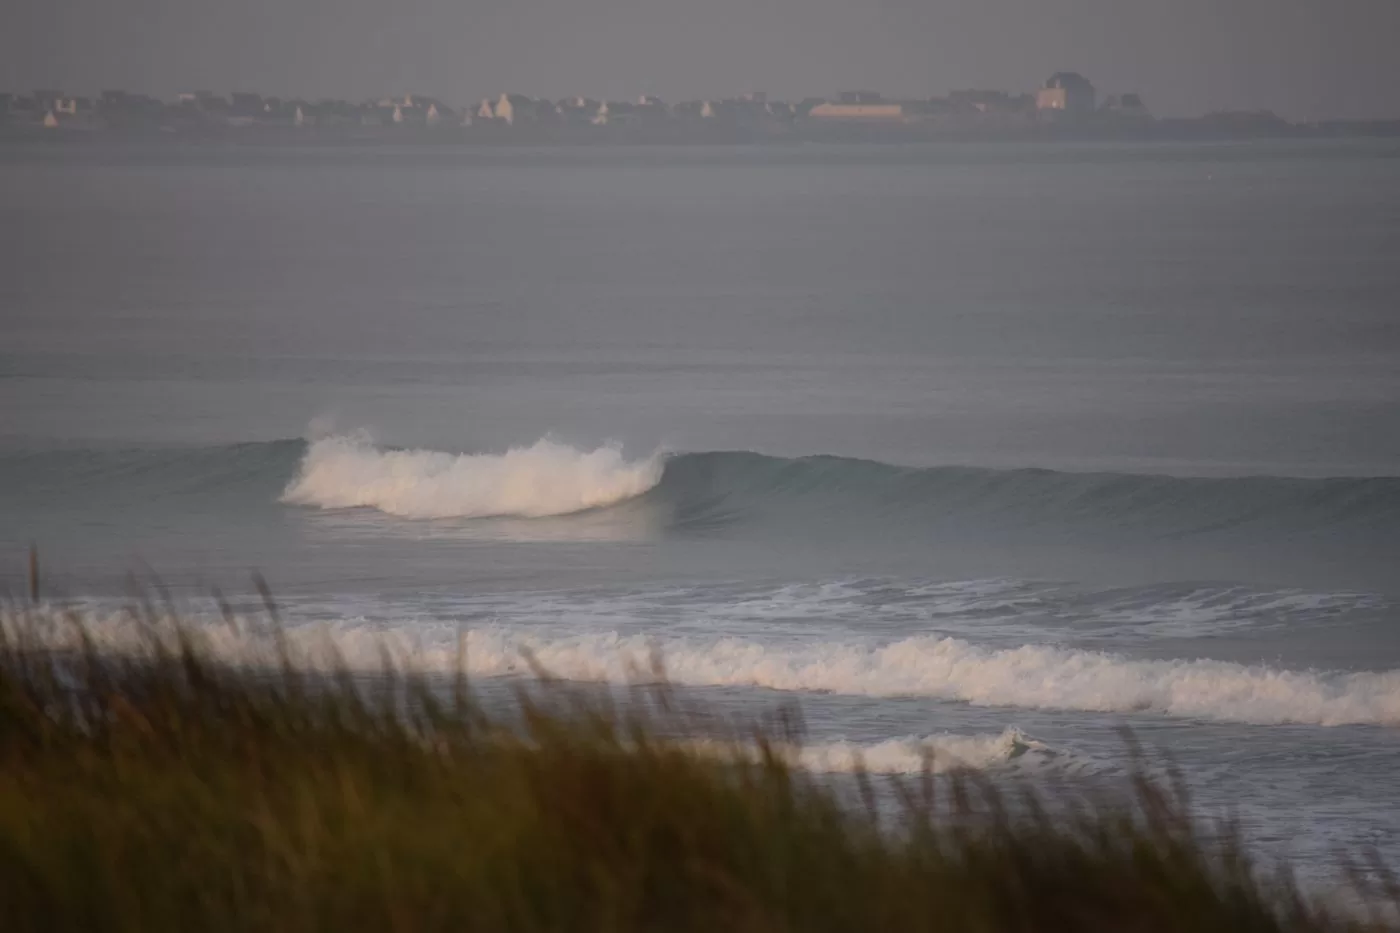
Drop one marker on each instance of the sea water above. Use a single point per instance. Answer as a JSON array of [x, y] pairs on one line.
[[994, 449]]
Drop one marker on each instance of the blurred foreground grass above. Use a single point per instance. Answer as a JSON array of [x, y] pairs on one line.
[[156, 789]]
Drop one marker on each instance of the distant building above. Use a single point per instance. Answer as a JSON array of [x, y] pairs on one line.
[[991, 103], [329, 112], [1253, 122], [779, 111], [204, 100], [71, 113], [579, 111], [44, 100], [880, 111], [751, 110], [24, 109], [615, 113], [1125, 107], [1066, 92], [243, 102], [373, 115], [68, 112], [651, 108], [126, 110], [516, 109], [858, 97]]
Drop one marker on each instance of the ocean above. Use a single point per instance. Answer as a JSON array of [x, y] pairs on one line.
[[995, 449]]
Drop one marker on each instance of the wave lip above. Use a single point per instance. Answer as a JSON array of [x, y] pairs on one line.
[[546, 478]]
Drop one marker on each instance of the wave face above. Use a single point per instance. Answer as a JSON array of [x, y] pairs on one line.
[[55, 477], [716, 491], [1030, 676], [707, 485], [547, 478], [725, 488]]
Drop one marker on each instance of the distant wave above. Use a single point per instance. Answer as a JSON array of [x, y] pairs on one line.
[[546, 478], [715, 490], [1030, 676], [707, 484], [700, 490]]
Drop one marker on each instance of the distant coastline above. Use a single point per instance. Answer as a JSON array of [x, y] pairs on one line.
[[1066, 108], [1164, 131]]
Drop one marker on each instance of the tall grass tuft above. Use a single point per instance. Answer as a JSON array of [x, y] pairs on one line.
[[153, 788]]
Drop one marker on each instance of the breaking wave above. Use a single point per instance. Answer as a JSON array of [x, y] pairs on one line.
[[1029, 676], [546, 478], [951, 669], [705, 491]]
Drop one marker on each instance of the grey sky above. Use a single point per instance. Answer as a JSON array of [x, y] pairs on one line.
[[1303, 58]]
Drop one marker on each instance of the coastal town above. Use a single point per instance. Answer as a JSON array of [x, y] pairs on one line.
[[1066, 106]]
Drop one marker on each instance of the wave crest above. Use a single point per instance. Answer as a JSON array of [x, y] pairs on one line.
[[546, 478], [1028, 677]]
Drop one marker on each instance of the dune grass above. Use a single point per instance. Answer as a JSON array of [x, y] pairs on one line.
[[156, 789]]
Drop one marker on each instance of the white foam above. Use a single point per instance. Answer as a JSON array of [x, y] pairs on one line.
[[546, 478], [941, 752], [1029, 676]]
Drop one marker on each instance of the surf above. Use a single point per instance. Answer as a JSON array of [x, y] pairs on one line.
[[702, 492], [544, 479], [1029, 676]]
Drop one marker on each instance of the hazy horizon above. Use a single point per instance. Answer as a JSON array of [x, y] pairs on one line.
[[1300, 58]]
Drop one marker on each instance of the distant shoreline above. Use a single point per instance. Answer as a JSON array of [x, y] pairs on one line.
[[1164, 131]]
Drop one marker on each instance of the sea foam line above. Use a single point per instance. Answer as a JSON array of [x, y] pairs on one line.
[[546, 478], [1029, 676]]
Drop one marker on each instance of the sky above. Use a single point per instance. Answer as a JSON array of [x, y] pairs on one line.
[[1305, 59]]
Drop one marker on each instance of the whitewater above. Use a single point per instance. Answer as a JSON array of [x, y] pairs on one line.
[[1029, 676], [545, 478]]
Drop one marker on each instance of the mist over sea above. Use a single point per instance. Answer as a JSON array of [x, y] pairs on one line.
[[1001, 447]]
